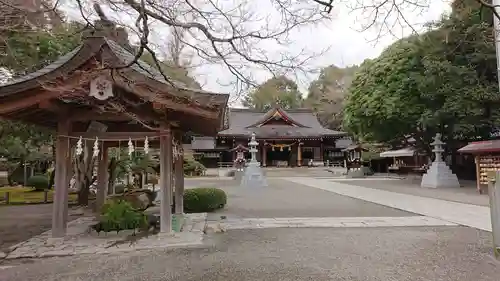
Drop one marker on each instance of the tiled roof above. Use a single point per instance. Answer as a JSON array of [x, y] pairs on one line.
[[47, 69], [15, 84], [123, 55], [481, 147], [242, 123]]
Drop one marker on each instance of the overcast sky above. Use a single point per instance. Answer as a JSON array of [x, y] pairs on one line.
[[347, 45]]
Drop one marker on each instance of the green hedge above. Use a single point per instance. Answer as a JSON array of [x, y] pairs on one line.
[[204, 199], [193, 167], [38, 182], [120, 215]]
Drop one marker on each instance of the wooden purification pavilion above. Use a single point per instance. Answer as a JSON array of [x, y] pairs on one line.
[[97, 84]]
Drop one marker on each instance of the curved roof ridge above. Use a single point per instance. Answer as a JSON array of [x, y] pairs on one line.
[[270, 113]]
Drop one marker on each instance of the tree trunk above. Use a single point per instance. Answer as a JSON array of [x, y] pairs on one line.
[[112, 175], [52, 179], [84, 168]]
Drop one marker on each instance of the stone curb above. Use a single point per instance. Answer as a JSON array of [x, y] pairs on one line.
[[325, 222], [42, 246]]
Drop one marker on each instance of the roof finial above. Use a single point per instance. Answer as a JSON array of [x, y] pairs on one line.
[[102, 16]]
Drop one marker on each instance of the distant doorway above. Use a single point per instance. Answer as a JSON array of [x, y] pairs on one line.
[[278, 157]]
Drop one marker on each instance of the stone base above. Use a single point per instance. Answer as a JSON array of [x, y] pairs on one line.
[[439, 175], [359, 173], [79, 241], [253, 176], [238, 175]]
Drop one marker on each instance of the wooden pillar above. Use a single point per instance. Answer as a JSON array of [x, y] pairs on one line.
[[179, 184], [60, 204], [321, 150], [166, 181], [102, 178], [478, 174], [67, 180], [299, 155], [264, 155]]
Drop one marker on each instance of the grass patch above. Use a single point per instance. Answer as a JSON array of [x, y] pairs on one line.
[[26, 195]]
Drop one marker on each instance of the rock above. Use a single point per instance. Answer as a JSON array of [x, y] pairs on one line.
[[78, 211], [2, 255], [140, 199], [217, 228]]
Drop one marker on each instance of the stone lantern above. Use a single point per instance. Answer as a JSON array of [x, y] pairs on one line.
[[253, 176], [439, 175]]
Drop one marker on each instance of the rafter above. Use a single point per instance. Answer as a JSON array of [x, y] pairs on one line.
[[156, 97]]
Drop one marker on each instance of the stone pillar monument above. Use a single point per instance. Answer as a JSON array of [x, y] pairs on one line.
[[439, 175], [253, 176]]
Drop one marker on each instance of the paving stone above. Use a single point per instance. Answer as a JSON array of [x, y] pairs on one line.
[[58, 253], [354, 224], [79, 241], [458, 213], [199, 226], [253, 223]]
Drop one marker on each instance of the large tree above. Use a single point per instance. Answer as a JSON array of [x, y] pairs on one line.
[[441, 81], [24, 48], [327, 93], [277, 91]]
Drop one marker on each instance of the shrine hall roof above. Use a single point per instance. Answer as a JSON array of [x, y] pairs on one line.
[[242, 122]]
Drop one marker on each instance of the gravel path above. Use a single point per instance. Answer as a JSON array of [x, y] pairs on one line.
[[19, 223], [379, 254], [286, 199]]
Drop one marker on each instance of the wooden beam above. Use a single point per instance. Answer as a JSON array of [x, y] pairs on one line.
[[47, 92], [115, 136], [52, 106], [29, 100], [159, 97], [91, 115]]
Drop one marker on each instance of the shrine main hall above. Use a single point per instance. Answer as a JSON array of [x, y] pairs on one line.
[[287, 138]]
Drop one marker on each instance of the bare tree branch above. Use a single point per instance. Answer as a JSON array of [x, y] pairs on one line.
[[234, 35]]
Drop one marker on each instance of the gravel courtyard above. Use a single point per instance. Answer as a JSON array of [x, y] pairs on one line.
[[19, 223], [285, 199], [378, 254]]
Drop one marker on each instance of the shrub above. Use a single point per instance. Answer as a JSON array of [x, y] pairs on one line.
[[38, 182], [120, 215], [204, 199], [193, 167]]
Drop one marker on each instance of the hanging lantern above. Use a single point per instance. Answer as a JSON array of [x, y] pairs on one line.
[[130, 147], [146, 146], [95, 151], [79, 148]]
